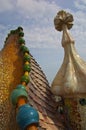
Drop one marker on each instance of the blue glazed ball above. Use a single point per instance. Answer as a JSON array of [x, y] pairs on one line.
[[27, 115], [20, 86], [16, 93]]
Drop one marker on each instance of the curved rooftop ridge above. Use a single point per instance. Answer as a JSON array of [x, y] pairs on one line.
[[71, 78], [39, 93]]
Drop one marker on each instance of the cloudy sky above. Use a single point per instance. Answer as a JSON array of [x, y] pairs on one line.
[[44, 42]]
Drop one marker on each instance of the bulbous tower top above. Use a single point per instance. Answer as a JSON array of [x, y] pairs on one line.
[[63, 18], [70, 80]]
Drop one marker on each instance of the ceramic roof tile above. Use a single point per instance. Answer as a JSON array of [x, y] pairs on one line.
[[40, 97], [41, 116], [40, 108]]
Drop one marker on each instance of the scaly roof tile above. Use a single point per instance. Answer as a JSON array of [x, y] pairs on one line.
[[40, 97]]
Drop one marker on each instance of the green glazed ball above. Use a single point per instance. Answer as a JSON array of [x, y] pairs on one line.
[[21, 34], [21, 41], [25, 79], [24, 49], [16, 93], [27, 68], [27, 58]]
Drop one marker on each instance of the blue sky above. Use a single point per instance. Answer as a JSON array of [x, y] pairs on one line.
[[44, 42]]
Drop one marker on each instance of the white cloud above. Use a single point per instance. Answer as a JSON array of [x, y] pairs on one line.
[[6, 5], [37, 8], [41, 38], [79, 29], [40, 31], [80, 4], [4, 30], [39, 28], [2, 27]]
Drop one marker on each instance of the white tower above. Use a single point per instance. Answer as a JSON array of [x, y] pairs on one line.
[[70, 81]]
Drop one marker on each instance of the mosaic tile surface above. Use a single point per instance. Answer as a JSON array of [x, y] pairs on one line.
[[39, 94]]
